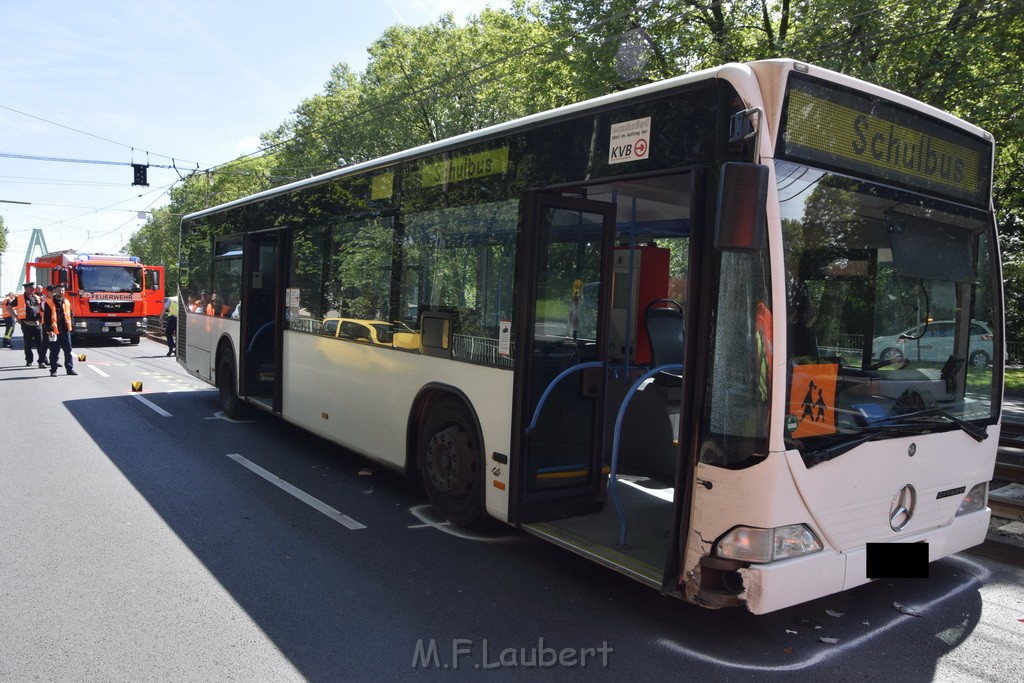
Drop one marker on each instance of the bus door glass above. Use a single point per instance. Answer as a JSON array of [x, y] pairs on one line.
[[561, 382], [261, 313]]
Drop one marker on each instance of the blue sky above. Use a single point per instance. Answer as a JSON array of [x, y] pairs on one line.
[[195, 81]]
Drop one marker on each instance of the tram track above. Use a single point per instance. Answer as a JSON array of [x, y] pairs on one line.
[[1011, 434], [1006, 508]]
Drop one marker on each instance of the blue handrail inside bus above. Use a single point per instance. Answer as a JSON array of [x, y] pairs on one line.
[[613, 471], [640, 381], [551, 386], [256, 336]]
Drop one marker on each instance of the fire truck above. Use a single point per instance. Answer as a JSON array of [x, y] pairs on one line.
[[111, 294]]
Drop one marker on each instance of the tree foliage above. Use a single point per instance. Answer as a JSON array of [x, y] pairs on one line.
[[424, 84]]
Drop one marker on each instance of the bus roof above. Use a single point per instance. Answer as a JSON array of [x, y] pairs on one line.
[[739, 74]]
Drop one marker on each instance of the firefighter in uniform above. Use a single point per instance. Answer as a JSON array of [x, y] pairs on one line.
[[57, 326], [10, 308], [31, 315]]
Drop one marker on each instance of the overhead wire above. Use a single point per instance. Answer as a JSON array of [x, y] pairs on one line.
[[59, 182], [63, 160], [93, 135]]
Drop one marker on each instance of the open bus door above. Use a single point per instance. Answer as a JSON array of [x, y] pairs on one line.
[[560, 380], [262, 317], [603, 411]]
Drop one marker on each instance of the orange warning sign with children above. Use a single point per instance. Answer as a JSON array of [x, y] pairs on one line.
[[812, 399]]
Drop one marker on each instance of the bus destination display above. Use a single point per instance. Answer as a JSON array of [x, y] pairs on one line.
[[863, 135]]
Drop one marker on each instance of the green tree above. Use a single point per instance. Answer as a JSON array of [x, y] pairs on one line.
[[424, 84], [614, 44]]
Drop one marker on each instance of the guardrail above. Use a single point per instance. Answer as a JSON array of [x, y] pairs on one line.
[[1014, 352], [480, 350]]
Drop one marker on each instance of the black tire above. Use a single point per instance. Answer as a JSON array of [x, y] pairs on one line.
[[451, 463], [979, 359], [230, 404], [134, 340]]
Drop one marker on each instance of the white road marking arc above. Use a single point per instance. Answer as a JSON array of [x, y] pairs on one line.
[[424, 513]]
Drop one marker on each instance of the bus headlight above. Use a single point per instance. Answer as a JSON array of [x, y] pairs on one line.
[[975, 500], [81, 325], [751, 544]]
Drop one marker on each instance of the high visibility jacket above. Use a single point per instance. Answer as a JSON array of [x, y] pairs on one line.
[[217, 310], [52, 317], [21, 307], [10, 308]]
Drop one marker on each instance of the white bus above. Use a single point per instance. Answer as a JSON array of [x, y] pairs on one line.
[[641, 327]]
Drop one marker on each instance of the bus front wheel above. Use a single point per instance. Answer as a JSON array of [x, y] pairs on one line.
[[230, 404], [450, 462]]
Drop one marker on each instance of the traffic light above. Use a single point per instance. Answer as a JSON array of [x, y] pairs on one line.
[[140, 175]]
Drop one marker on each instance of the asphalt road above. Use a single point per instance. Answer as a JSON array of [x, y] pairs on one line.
[[145, 537]]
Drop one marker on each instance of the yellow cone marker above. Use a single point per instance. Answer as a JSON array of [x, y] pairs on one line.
[[81, 357], [136, 386]]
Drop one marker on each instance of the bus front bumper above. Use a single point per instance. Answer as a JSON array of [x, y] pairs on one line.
[[769, 587]]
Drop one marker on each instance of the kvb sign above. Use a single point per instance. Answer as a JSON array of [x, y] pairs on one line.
[[629, 141]]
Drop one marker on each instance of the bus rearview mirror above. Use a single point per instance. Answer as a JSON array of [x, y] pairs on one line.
[[742, 200]]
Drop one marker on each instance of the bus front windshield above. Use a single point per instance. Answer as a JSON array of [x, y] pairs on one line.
[[892, 313]]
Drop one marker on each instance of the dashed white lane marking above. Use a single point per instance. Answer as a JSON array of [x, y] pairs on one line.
[[157, 409], [97, 370], [309, 500]]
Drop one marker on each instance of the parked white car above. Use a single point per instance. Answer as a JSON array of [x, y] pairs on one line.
[[934, 343]]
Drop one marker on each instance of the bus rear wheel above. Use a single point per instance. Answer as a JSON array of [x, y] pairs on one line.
[[449, 459], [230, 404]]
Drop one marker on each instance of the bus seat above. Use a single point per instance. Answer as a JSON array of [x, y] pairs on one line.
[[665, 333]]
